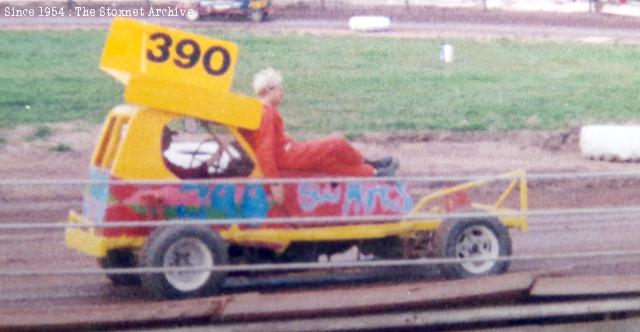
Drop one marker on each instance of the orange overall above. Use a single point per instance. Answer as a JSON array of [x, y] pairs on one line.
[[278, 152]]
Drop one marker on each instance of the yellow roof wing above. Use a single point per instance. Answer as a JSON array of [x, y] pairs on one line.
[[177, 71]]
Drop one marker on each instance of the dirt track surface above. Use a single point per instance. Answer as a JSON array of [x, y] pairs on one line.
[[420, 154], [426, 153]]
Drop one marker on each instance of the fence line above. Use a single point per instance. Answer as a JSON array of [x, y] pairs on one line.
[[322, 265], [457, 178], [418, 217], [613, 212]]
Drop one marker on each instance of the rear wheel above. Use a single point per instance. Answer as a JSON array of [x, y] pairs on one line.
[[481, 239], [120, 259], [187, 247]]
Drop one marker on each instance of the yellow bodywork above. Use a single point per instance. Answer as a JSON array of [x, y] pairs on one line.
[[87, 241], [168, 85], [258, 4], [130, 144]]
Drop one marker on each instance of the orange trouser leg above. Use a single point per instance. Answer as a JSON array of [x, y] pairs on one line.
[[331, 155]]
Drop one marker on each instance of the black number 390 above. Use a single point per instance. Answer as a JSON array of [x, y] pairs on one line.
[[187, 54]]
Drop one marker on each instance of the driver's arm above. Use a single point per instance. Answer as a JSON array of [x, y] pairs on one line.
[[265, 141]]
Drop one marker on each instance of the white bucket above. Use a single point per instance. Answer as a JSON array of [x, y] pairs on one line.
[[446, 53]]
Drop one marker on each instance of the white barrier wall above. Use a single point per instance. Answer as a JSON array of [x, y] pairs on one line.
[[610, 142]]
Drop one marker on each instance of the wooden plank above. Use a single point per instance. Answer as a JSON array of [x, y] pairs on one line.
[[111, 315], [377, 298], [254, 306], [435, 319], [616, 325], [586, 285]]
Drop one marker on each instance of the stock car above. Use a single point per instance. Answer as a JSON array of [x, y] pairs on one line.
[[255, 10], [175, 185]]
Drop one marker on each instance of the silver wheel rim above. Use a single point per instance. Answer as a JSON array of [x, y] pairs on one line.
[[188, 252], [477, 242], [192, 15]]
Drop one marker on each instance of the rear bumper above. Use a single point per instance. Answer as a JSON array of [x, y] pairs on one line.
[[82, 236]]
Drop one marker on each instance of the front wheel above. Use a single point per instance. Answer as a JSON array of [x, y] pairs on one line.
[[184, 246], [482, 240], [257, 15]]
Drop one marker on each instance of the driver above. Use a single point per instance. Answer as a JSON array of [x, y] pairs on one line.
[[276, 151]]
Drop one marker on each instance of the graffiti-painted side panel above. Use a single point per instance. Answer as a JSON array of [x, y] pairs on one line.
[[140, 202], [348, 199], [96, 195]]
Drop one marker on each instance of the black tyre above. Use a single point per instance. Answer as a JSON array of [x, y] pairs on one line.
[[473, 238], [120, 259], [183, 246]]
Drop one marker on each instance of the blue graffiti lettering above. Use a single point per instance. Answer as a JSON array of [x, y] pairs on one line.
[[223, 199], [380, 194], [352, 199], [312, 195], [96, 197], [363, 199], [407, 201], [254, 202]]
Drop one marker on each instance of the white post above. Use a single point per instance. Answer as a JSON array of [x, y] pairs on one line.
[[446, 52]]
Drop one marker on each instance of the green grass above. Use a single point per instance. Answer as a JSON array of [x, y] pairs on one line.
[[53, 76], [353, 84]]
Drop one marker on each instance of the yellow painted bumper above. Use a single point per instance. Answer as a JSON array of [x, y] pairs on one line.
[[85, 239]]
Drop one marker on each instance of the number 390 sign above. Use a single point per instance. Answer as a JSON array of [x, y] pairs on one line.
[[187, 53], [136, 49], [178, 72]]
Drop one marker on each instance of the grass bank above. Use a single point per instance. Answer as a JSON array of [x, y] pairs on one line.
[[353, 84]]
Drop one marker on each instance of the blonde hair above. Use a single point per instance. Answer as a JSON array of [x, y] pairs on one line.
[[266, 79]]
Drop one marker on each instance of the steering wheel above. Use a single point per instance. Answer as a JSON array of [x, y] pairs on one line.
[[200, 151]]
